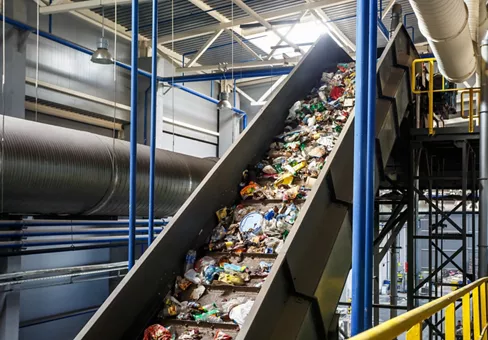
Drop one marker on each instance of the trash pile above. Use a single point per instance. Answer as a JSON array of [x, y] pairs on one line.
[[312, 127], [241, 249]]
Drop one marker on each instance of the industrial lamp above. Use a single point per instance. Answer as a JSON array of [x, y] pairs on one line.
[[224, 101], [102, 55]]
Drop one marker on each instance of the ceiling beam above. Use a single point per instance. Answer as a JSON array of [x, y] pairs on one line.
[[271, 89], [251, 64], [243, 44], [204, 48], [249, 20], [266, 24], [274, 48], [87, 4], [333, 29]]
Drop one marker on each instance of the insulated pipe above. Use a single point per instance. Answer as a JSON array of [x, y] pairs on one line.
[[445, 25], [154, 91], [133, 133], [473, 7], [360, 142], [483, 183], [86, 174], [370, 168]]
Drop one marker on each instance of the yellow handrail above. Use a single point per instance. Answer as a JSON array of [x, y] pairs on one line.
[[411, 322], [430, 92]]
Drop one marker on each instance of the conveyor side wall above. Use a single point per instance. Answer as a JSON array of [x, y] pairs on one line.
[[309, 274]]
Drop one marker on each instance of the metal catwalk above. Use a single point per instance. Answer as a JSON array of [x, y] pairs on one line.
[[299, 297]]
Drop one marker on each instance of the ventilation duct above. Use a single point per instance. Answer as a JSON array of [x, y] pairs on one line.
[[52, 170], [445, 25]]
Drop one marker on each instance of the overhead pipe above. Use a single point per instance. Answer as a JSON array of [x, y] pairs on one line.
[[370, 168], [359, 178], [85, 174], [238, 74], [445, 25], [133, 132], [54, 223], [154, 90], [71, 232], [68, 241], [85, 50], [483, 181], [70, 248]]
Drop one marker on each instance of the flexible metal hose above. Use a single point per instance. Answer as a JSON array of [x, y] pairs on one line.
[[53, 170]]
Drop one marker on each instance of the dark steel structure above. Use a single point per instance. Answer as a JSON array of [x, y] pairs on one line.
[[444, 169], [56, 171], [299, 298]]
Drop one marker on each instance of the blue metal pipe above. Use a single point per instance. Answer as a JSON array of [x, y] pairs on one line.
[[405, 17], [370, 157], [93, 231], [43, 243], [360, 141], [203, 96], [33, 223], [145, 114], [238, 74], [154, 90], [413, 32], [133, 134], [383, 29]]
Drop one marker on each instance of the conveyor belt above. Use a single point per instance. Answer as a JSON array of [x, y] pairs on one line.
[[299, 298]]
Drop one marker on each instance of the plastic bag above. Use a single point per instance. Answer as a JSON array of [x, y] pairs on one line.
[[193, 276], [228, 305], [157, 332], [231, 279], [204, 262], [220, 335], [249, 190], [230, 268], [239, 313], [197, 293]]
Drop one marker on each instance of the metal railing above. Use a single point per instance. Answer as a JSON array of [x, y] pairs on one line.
[[431, 90], [412, 322]]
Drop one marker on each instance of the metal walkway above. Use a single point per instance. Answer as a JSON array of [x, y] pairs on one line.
[[299, 298]]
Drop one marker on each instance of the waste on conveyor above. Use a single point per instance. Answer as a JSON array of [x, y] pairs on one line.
[[221, 281]]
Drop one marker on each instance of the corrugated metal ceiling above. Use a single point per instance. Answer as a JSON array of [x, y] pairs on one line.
[[181, 15]]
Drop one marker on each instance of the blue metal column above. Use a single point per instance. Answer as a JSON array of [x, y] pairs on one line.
[[154, 91], [360, 144], [133, 132], [370, 167]]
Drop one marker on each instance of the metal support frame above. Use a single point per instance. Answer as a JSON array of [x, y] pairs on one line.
[[428, 182]]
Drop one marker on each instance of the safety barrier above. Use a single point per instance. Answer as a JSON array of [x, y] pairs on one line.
[[431, 90], [412, 322]]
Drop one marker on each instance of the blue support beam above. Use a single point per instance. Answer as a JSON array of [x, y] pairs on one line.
[[133, 133], [370, 168], [360, 145], [154, 91]]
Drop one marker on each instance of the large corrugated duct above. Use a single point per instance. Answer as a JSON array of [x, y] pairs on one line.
[[52, 170], [473, 7], [445, 25]]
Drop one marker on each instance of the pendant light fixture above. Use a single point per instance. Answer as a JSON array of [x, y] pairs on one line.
[[102, 55]]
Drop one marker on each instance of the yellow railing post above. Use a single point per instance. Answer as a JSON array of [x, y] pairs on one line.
[[451, 321], [466, 317], [415, 333], [476, 313], [483, 307]]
